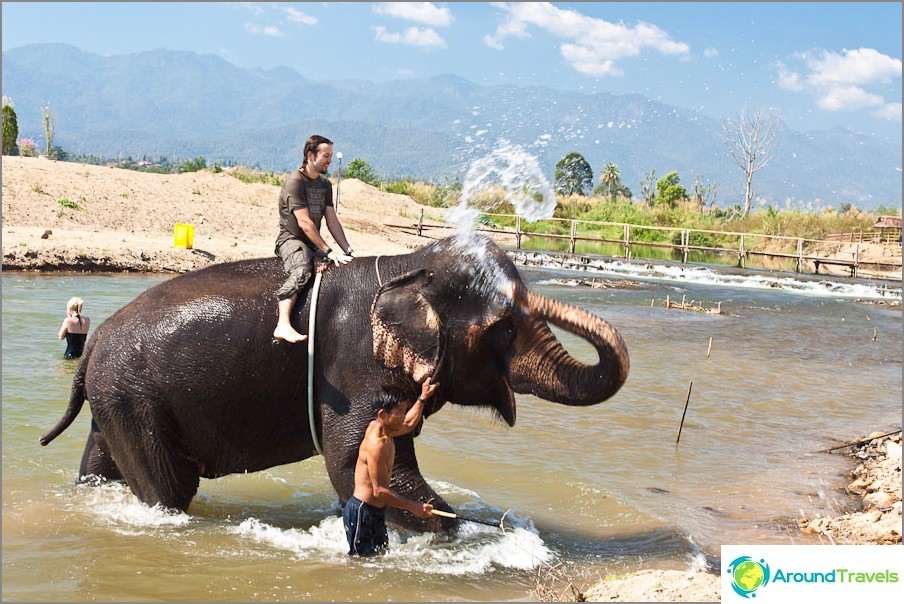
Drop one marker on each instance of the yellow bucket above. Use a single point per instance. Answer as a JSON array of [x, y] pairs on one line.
[[185, 235]]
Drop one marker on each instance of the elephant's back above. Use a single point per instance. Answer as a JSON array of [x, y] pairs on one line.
[[225, 309]]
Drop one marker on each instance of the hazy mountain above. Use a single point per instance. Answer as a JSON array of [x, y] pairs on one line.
[[181, 105]]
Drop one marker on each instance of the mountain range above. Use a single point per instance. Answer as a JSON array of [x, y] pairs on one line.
[[182, 104]]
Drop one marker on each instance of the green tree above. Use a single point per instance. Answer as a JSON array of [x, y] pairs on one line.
[[573, 175], [10, 128], [360, 169], [668, 191], [609, 176], [198, 163]]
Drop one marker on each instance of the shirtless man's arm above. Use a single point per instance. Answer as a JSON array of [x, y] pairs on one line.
[[379, 457]]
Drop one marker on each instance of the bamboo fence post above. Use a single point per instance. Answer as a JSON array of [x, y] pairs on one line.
[[856, 261], [710, 347], [574, 231], [875, 334], [741, 252], [518, 231], [800, 254], [686, 402], [420, 224], [627, 241]]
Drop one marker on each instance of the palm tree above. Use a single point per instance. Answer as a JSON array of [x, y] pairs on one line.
[[609, 177]]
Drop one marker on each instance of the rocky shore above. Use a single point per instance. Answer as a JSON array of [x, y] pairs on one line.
[[119, 220]]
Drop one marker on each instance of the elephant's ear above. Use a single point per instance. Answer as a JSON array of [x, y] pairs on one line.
[[406, 327]]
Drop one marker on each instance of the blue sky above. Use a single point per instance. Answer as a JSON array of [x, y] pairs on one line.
[[816, 64]]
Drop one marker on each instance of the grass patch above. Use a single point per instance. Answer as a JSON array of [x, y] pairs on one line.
[[69, 204], [250, 176]]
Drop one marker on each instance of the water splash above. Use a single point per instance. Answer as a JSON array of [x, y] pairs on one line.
[[508, 174], [474, 549]]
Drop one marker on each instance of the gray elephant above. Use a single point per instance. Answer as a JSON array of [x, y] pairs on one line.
[[185, 382]]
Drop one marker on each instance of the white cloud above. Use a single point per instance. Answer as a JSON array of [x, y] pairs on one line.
[[296, 16], [861, 66], [843, 81], [590, 45], [889, 111], [255, 9], [839, 98], [710, 52], [412, 36], [420, 12], [266, 30]]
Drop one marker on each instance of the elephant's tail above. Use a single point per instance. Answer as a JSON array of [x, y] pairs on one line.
[[76, 401]]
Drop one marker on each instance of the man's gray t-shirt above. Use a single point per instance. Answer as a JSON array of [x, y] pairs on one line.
[[299, 191]]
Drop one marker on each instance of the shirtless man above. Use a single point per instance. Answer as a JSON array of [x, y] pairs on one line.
[[364, 514]]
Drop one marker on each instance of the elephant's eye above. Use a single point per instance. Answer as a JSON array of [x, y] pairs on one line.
[[501, 334]]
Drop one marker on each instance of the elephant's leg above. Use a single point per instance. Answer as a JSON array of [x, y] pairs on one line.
[[97, 460], [152, 465], [408, 482]]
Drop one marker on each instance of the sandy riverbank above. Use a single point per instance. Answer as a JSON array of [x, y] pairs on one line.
[[124, 221]]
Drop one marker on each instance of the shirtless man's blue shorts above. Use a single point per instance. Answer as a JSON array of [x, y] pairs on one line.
[[365, 528]]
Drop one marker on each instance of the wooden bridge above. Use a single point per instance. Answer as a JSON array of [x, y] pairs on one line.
[[810, 254]]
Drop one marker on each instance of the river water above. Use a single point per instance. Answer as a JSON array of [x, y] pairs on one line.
[[795, 366]]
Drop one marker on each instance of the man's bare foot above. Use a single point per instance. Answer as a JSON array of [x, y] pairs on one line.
[[287, 333]]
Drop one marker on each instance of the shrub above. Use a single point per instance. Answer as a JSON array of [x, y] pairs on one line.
[[193, 165], [27, 147], [10, 130]]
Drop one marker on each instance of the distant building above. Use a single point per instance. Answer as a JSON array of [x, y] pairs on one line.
[[889, 228], [888, 222]]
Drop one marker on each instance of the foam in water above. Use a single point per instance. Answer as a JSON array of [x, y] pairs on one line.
[[475, 548], [117, 506], [707, 276]]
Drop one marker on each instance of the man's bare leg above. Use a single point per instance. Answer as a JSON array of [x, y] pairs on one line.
[[284, 329]]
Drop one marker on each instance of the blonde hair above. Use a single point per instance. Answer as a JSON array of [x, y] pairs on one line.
[[75, 303]]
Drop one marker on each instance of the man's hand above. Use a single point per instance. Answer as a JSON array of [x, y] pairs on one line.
[[427, 389], [338, 258], [421, 510]]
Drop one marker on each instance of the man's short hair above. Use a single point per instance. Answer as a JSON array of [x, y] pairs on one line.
[[387, 400]]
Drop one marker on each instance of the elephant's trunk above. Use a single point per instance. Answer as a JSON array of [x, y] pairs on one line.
[[541, 365]]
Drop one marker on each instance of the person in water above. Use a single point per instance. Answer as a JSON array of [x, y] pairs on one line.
[[74, 328], [364, 515], [305, 200]]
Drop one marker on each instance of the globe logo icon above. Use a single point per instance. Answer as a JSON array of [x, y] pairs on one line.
[[748, 575]]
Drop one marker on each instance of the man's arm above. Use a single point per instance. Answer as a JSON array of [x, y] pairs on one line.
[[310, 229], [335, 227], [413, 417], [377, 458]]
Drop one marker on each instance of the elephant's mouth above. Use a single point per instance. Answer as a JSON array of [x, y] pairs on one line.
[[505, 405]]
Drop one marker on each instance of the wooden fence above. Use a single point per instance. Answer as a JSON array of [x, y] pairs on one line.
[[889, 235], [805, 253]]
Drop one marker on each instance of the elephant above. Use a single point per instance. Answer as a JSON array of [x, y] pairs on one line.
[[186, 382]]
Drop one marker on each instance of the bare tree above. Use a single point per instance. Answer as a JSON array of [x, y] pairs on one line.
[[47, 114], [749, 139], [704, 193], [648, 187]]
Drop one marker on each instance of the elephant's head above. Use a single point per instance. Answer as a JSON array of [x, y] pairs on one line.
[[464, 315]]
